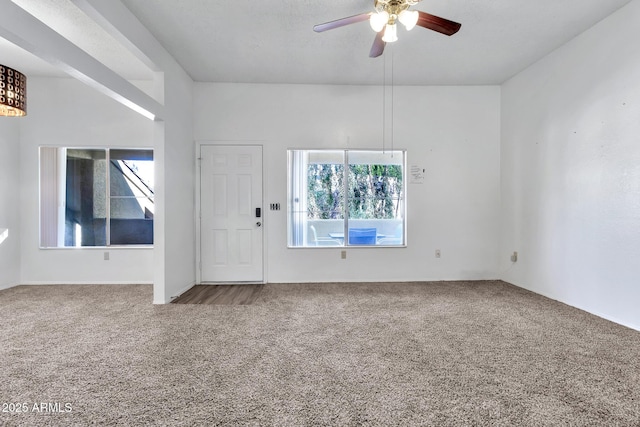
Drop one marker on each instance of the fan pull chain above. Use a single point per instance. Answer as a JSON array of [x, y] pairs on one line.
[[384, 102], [392, 100]]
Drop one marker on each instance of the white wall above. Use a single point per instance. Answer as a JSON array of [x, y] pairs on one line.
[[65, 112], [453, 132], [174, 262], [571, 171], [9, 199]]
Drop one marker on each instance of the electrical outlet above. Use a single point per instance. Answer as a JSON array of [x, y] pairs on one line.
[[106, 256], [343, 254], [437, 253], [514, 257]]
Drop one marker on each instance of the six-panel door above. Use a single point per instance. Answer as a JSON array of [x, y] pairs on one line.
[[231, 230]]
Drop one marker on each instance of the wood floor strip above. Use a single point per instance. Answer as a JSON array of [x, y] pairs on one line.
[[221, 294]]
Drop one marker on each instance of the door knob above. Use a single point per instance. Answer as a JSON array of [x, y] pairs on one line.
[[258, 223]]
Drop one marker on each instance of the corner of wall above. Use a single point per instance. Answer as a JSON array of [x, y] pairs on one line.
[[10, 201], [569, 157]]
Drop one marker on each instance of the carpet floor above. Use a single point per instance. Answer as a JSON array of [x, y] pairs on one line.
[[384, 354]]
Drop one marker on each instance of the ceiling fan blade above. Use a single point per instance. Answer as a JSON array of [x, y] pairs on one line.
[[378, 45], [438, 24], [341, 22]]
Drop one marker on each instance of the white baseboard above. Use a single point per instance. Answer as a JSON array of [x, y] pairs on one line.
[[595, 313], [182, 291], [7, 286], [613, 319], [47, 283], [162, 301]]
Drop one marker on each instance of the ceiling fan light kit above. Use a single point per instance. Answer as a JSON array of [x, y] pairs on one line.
[[390, 33], [390, 11], [378, 21], [409, 18], [385, 16]]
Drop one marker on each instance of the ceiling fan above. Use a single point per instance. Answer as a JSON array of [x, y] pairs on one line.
[[383, 21]]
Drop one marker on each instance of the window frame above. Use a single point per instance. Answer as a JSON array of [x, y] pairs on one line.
[[293, 188], [107, 195]]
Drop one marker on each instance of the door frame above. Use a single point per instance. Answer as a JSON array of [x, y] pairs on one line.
[[198, 204]]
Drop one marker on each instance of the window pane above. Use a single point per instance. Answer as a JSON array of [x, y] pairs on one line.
[[316, 198], [132, 198], [375, 198], [86, 193]]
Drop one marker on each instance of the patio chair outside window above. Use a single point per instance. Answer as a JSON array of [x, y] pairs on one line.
[[362, 236], [322, 241]]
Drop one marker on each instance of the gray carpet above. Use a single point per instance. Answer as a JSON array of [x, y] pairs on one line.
[[445, 353]]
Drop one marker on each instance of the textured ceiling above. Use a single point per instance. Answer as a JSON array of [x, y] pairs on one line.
[[274, 41]]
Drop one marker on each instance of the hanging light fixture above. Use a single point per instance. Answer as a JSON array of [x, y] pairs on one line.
[[388, 12], [390, 33], [13, 92], [378, 20], [409, 18]]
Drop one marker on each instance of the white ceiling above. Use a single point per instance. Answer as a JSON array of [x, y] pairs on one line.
[[273, 41], [70, 22]]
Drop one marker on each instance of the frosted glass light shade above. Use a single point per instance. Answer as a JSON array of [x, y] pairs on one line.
[[378, 21], [409, 18], [390, 34]]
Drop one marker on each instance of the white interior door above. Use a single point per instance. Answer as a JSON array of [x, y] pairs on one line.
[[230, 224]]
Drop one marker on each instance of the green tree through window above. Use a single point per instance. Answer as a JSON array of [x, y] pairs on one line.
[[374, 191], [326, 191]]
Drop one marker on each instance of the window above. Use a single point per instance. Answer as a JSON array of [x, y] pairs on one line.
[[96, 197], [346, 198]]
